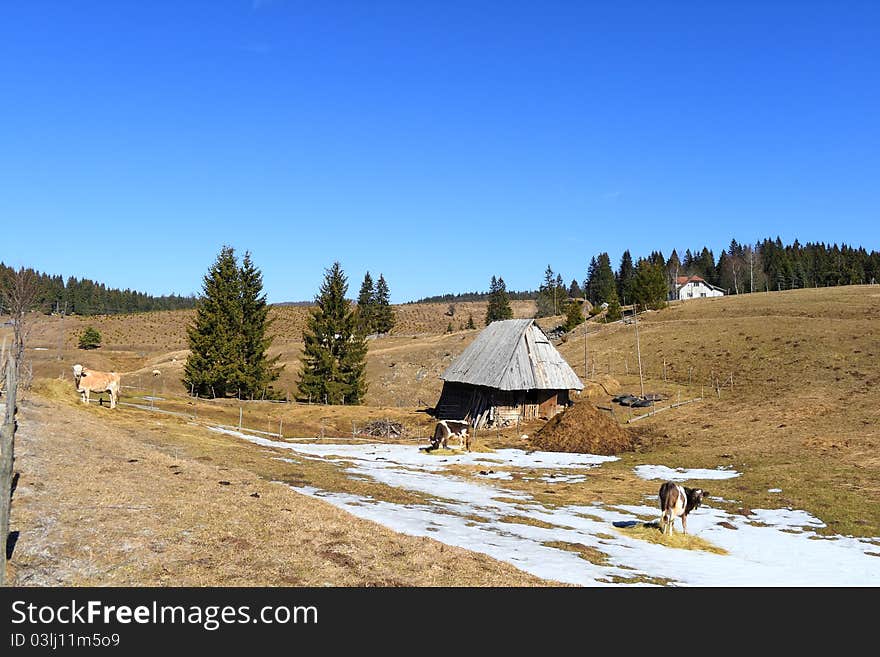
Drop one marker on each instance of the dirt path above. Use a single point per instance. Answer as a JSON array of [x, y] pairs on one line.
[[96, 504]]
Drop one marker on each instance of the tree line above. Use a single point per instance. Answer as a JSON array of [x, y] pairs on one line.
[[524, 295], [83, 296], [739, 269], [652, 280]]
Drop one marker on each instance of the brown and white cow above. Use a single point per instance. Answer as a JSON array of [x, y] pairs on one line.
[[677, 502], [88, 381], [447, 429]]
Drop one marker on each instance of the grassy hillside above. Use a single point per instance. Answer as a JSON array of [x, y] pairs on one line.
[[803, 410], [404, 365]]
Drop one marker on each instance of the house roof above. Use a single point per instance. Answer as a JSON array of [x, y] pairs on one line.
[[513, 354], [684, 280]]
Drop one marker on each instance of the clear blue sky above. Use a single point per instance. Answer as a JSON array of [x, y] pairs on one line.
[[436, 142]]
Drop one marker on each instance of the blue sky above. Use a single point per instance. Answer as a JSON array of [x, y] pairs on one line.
[[438, 143]]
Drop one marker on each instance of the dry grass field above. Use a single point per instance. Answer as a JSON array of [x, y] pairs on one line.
[[801, 414], [405, 364], [136, 501]]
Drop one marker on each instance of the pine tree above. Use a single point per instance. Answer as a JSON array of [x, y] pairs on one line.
[[574, 315], [90, 338], [649, 285], [574, 290], [624, 276], [601, 283], [470, 323], [383, 313], [334, 350], [499, 302], [257, 371], [591, 280], [613, 314], [547, 296], [227, 338], [366, 306], [212, 367]]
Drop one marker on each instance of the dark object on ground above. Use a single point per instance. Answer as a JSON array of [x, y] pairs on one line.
[[625, 400], [641, 403], [225, 483]]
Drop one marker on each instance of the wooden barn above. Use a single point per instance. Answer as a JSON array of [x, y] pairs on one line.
[[510, 372]]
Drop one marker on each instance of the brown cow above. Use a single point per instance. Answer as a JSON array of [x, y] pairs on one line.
[[88, 381]]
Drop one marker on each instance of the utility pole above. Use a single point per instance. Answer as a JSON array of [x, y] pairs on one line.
[[638, 348], [61, 335], [586, 329]]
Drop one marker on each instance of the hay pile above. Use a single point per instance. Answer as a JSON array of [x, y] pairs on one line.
[[584, 429], [601, 386]]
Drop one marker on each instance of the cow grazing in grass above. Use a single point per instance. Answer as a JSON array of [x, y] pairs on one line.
[[677, 502], [447, 429], [88, 381]]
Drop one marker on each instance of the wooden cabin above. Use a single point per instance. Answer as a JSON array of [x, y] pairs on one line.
[[510, 372]]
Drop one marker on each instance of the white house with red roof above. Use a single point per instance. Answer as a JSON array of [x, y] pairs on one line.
[[694, 287]]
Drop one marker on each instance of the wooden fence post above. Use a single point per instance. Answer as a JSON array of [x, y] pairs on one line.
[[7, 449]]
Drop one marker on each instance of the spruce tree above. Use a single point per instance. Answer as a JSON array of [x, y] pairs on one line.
[[574, 315], [257, 369], [499, 302], [470, 323], [383, 313], [334, 350], [613, 314], [213, 366], [547, 295], [366, 306], [90, 338], [649, 285], [227, 338], [605, 284], [625, 276], [591, 282]]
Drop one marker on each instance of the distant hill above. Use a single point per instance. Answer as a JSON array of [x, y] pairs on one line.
[[526, 295]]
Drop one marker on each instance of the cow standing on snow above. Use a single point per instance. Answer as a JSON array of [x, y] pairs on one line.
[[677, 502], [447, 429], [93, 381]]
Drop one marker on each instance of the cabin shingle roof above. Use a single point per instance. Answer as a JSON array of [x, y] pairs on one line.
[[513, 354]]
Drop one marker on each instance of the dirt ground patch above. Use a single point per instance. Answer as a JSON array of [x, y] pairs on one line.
[[585, 429], [97, 504]]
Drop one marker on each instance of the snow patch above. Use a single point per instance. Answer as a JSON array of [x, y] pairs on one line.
[[682, 474], [770, 547]]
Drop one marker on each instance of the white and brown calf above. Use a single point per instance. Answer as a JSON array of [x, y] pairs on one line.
[[88, 381], [447, 429], [677, 502]]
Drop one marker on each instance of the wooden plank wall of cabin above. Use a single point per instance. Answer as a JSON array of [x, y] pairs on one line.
[[453, 401], [547, 403]]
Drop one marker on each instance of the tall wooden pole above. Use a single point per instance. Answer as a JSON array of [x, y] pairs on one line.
[[638, 348], [586, 328], [7, 448]]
